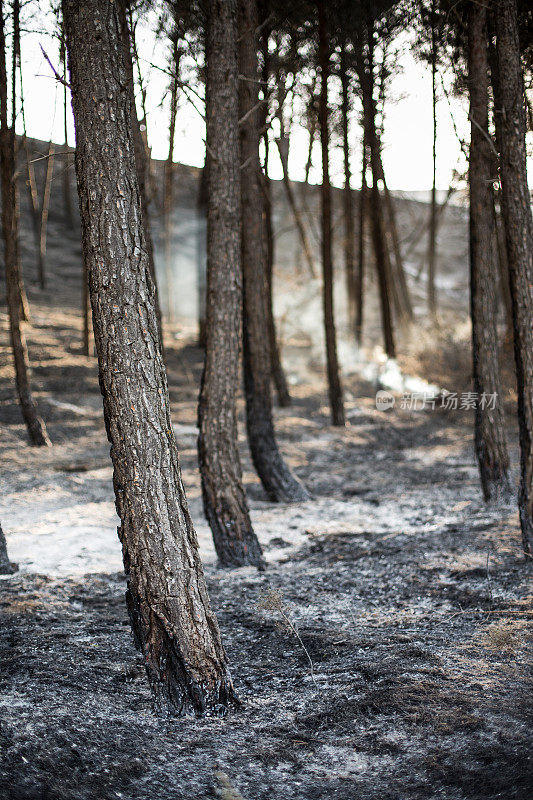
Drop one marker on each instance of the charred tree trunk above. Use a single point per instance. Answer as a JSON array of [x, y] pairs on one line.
[[45, 207], [201, 254], [432, 240], [490, 441], [334, 383], [376, 210], [67, 199], [6, 567], [278, 481], [282, 144], [361, 254], [10, 225], [168, 200], [516, 207], [172, 621], [349, 219], [223, 493], [141, 164]]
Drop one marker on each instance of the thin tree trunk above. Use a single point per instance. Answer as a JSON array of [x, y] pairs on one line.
[[376, 211], [298, 219], [490, 440], [334, 382], [278, 481], [278, 374], [16, 65], [10, 225], [223, 493], [171, 618], [516, 207], [141, 163], [432, 241], [168, 202], [45, 207], [67, 199], [6, 567], [349, 219], [201, 255], [361, 254]]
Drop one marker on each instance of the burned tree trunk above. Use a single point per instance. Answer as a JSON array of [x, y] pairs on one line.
[[334, 382], [516, 207], [361, 254], [282, 144], [140, 164], [349, 219], [172, 621], [14, 293], [168, 197], [45, 208], [201, 254], [490, 441], [67, 200], [376, 210], [432, 240], [223, 493], [278, 481], [6, 567]]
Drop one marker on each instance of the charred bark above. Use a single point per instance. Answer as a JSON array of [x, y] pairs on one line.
[[516, 207], [334, 382], [169, 609], [279, 483], [361, 253], [223, 493], [349, 219], [10, 229], [490, 440]]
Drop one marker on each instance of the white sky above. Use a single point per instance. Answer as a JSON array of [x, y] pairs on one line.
[[408, 126]]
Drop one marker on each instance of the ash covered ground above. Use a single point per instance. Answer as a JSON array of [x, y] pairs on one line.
[[411, 676]]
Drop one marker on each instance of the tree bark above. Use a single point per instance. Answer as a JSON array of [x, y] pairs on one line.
[[171, 618], [6, 567], [168, 203], [376, 210], [223, 493], [141, 164], [432, 240], [45, 207], [201, 254], [489, 436], [516, 207], [349, 219], [10, 229], [67, 200], [278, 481], [361, 254], [334, 382]]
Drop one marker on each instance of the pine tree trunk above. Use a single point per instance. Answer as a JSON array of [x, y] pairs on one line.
[[376, 211], [361, 254], [201, 254], [6, 567], [45, 207], [490, 440], [67, 200], [141, 166], [277, 480], [432, 241], [223, 493], [10, 229], [334, 382], [349, 220], [171, 618], [296, 213], [168, 198], [516, 207]]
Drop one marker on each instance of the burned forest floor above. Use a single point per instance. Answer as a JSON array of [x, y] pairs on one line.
[[410, 677]]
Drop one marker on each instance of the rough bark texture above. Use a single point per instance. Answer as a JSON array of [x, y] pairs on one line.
[[277, 480], [201, 251], [511, 116], [349, 219], [14, 293], [376, 210], [223, 493], [6, 567], [490, 441], [172, 621], [334, 382]]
